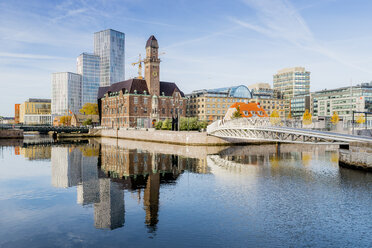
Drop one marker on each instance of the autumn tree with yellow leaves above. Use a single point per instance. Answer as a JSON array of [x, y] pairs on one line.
[[65, 120], [307, 118], [89, 109], [361, 119], [274, 118], [335, 119]]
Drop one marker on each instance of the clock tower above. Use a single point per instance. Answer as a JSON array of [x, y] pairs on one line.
[[152, 62]]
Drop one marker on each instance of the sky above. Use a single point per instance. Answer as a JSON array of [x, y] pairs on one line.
[[207, 43]]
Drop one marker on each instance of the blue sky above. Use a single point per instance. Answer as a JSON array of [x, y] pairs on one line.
[[208, 43]]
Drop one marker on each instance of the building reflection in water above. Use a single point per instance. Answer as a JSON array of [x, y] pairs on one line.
[[101, 174]]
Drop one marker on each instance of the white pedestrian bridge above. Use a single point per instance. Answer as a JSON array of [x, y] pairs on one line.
[[266, 129]]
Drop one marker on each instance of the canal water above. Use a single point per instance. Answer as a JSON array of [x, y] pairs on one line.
[[116, 193]]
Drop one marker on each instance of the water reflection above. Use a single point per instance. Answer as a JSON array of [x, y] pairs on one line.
[[102, 172], [219, 196]]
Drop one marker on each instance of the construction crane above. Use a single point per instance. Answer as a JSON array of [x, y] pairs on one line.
[[139, 62]]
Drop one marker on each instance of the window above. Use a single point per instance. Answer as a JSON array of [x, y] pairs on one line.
[[145, 100], [145, 110], [135, 109], [163, 110], [135, 100]]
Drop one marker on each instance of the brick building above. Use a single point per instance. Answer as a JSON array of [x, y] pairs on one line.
[[141, 102]]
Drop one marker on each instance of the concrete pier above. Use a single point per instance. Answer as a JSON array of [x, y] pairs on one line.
[[11, 134], [358, 156], [192, 138]]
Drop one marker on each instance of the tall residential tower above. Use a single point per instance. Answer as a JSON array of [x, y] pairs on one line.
[[109, 45], [88, 66], [66, 93]]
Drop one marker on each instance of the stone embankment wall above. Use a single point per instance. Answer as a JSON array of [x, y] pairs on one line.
[[359, 156], [170, 137], [11, 134]]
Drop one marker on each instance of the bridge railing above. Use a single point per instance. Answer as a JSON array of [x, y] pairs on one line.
[[253, 122]]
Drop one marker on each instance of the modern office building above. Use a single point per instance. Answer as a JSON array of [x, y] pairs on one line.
[[109, 46], [35, 111], [291, 82], [66, 93], [344, 101], [301, 103], [88, 66], [141, 102]]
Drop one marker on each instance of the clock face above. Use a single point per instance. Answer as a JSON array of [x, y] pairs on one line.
[[154, 73]]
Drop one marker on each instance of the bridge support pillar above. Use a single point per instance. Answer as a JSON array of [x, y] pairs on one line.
[[277, 148]]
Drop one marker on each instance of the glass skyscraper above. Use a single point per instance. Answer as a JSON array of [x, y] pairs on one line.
[[66, 93], [109, 45], [88, 65]]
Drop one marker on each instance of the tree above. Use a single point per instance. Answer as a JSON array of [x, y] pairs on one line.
[[65, 120], [237, 113], [89, 109], [307, 118], [360, 119], [335, 119], [274, 117], [87, 122]]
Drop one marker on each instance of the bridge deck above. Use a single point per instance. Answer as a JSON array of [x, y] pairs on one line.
[[263, 129]]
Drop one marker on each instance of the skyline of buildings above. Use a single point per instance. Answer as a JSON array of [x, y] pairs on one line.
[[102, 68], [106, 65]]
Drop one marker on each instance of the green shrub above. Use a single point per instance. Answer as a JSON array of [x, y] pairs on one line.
[[167, 125], [158, 125], [87, 122]]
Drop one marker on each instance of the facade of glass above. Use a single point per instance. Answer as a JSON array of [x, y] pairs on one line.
[[291, 82], [344, 101], [66, 93], [300, 103], [109, 45], [88, 66]]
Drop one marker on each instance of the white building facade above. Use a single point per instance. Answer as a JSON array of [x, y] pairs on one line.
[[66, 93], [109, 46]]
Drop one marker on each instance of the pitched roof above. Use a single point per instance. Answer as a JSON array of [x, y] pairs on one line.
[[138, 85], [169, 88], [152, 42]]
